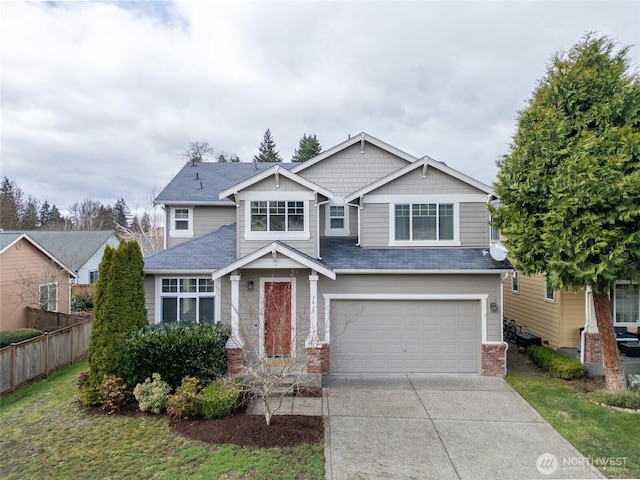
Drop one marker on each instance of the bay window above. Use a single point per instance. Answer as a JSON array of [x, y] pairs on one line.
[[187, 300]]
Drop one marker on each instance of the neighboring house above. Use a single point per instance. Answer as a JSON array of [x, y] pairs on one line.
[[566, 318], [377, 260], [80, 250], [30, 276]]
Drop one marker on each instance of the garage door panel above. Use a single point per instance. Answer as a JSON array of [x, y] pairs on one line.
[[396, 336]]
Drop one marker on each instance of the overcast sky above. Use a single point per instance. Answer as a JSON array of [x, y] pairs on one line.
[[99, 99]]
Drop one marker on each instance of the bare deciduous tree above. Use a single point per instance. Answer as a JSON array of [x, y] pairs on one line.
[[146, 227]]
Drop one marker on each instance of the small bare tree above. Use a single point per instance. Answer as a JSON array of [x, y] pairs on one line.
[[198, 151]]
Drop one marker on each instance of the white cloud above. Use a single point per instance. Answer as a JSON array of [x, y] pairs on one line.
[[99, 99]]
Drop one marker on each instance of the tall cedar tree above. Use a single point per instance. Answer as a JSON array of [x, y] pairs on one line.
[[309, 147], [119, 308], [267, 151], [570, 186]]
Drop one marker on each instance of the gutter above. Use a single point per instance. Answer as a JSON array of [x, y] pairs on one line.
[[317, 205]]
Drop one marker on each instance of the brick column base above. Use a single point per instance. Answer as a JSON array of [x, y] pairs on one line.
[[494, 359], [592, 348], [319, 359], [235, 361]]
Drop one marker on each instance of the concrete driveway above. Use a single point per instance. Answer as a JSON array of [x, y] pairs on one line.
[[442, 427]]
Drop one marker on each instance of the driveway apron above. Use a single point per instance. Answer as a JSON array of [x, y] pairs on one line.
[[420, 426]]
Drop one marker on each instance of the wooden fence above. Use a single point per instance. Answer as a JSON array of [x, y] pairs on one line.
[[24, 362], [45, 320]]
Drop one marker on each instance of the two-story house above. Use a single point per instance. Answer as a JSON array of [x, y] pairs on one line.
[[368, 258]]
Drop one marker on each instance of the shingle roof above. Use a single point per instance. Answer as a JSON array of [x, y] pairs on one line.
[[203, 182], [71, 247], [341, 253], [7, 238], [205, 254]]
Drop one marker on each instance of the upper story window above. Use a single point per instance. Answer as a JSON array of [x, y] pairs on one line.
[[626, 303], [277, 216], [93, 276], [181, 222], [424, 222], [336, 217], [187, 300], [49, 297]]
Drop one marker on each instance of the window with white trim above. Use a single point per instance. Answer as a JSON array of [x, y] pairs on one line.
[[181, 222], [93, 276], [187, 300], [277, 216], [549, 293], [626, 303], [336, 217], [49, 297], [416, 222], [515, 282]]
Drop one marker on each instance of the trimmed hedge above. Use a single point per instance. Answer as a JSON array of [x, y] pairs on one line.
[[175, 351], [219, 398], [622, 399], [7, 337], [555, 363]]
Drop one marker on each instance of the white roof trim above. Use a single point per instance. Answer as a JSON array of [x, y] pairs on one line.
[[352, 141], [275, 170], [273, 248], [430, 162], [43, 250]]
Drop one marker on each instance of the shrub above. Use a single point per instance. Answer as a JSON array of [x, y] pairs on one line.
[[622, 399], [175, 351], [7, 337], [219, 398], [78, 304], [89, 395], [152, 395], [113, 393], [634, 381], [183, 403], [555, 363]]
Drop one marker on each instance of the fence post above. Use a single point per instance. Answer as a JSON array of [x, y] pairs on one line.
[[46, 353], [73, 336], [13, 367]]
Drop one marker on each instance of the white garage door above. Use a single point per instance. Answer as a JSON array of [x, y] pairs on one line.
[[404, 336]]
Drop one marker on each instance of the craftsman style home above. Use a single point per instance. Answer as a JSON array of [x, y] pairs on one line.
[[366, 258]]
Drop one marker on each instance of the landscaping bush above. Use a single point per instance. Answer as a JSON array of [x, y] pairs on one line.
[[555, 363], [622, 399], [219, 398], [152, 395], [78, 304], [89, 395], [113, 393], [7, 337], [175, 351], [183, 403], [634, 381]]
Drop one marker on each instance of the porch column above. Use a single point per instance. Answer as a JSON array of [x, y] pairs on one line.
[[312, 340], [235, 341]]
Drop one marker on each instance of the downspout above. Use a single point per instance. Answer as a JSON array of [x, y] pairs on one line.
[[359, 218], [166, 227], [506, 344], [317, 205], [587, 318]]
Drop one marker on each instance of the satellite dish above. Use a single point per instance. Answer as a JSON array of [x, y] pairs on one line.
[[498, 252]]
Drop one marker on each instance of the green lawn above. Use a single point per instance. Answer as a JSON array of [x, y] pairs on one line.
[[45, 434], [602, 434]]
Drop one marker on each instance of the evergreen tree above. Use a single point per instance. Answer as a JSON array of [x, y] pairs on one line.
[[45, 214], [119, 307], [11, 205], [267, 150], [121, 213], [570, 187], [57, 220], [309, 147], [30, 219]]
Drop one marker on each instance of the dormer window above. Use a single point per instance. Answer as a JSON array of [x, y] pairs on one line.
[[181, 222]]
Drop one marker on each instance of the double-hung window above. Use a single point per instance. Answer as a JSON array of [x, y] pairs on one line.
[[49, 297], [187, 300], [515, 287], [181, 222], [415, 222], [277, 216], [549, 293], [626, 303]]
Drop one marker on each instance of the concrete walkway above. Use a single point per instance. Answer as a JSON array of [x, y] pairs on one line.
[[442, 427]]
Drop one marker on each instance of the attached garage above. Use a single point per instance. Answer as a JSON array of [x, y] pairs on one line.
[[371, 335]]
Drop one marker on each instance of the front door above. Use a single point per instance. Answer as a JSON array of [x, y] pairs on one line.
[[277, 319]]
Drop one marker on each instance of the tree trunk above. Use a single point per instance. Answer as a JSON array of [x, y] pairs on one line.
[[612, 367]]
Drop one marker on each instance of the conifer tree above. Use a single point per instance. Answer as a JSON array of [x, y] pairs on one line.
[[267, 150], [309, 147]]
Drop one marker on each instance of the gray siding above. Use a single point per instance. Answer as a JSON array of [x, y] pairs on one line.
[[349, 170], [375, 225], [150, 297], [205, 219], [94, 262], [423, 284], [269, 185], [474, 226], [435, 183]]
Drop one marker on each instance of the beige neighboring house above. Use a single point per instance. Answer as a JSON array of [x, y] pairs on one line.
[[30, 276]]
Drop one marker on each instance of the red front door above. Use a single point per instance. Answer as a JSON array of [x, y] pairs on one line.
[[277, 318]]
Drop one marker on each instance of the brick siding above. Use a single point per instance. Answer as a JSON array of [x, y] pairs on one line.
[[494, 359]]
